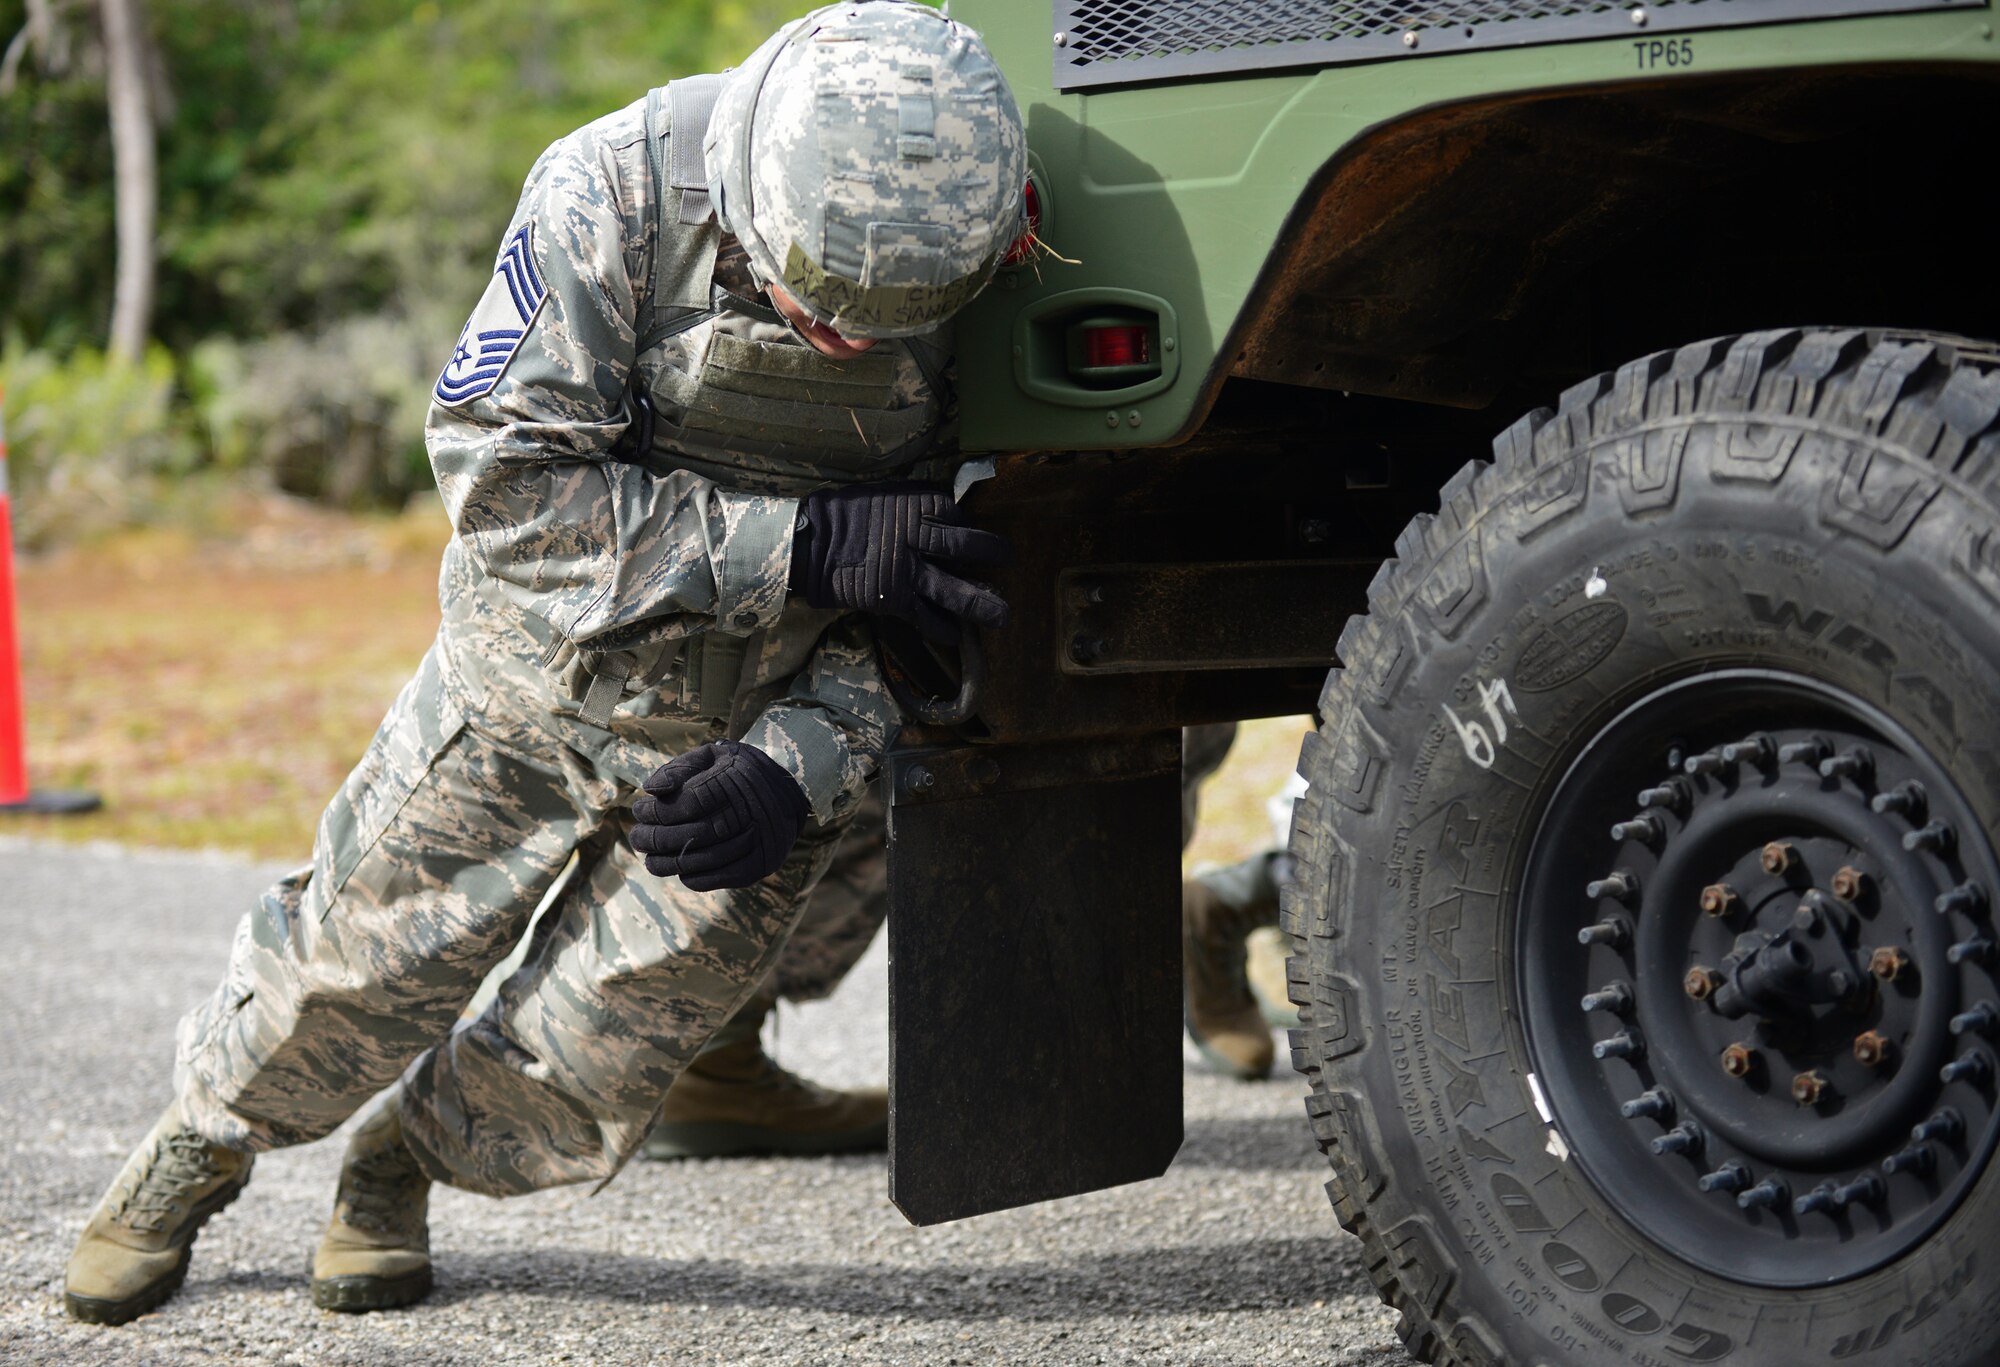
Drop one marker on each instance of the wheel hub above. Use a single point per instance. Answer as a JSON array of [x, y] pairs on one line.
[[1770, 1039]]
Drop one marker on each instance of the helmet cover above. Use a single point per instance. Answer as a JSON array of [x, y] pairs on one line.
[[871, 160]]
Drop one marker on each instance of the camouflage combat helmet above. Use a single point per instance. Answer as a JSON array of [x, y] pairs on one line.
[[871, 160]]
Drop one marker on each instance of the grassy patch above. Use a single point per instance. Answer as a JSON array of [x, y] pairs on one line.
[[1234, 822], [216, 687]]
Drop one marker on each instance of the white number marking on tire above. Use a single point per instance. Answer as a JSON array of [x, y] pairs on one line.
[[1482, 746]]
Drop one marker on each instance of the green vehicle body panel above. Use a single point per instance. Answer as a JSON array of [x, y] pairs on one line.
[[1182, 190]]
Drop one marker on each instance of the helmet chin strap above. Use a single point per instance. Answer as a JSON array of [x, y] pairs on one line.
[[786, 318], [764, 289]]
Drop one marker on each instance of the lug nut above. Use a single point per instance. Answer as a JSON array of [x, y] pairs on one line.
[[1739, 1060], [1871, 1050], [1645, 828], [1979, 1020], [1810, 751], [1857, 764], [1809, 1088], [1819, 1198], [1654, 1103], [1624, 1044], [1621, 886], [1729, 1177], [1846, 883], [1755, 749], [1934, 836], [1707, 762], [1682, 1138], [1945, 1126], [1889, 963], [1613, 932], [1918, 1158], [1778, 857], [1974, 1067], [1908, 799], [1978, 949], [1767, 1193], [1967, 898], [1701, 983], [1671, 796], [1867, 1189], [1613, 997], [1719, 899]]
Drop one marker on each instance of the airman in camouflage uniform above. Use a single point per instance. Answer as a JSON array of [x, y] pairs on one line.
[[648, 469]]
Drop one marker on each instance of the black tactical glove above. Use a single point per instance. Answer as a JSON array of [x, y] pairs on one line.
[[723, 815], [877, 547]]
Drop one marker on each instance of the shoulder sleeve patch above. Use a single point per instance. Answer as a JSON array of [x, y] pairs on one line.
[[499, 323]]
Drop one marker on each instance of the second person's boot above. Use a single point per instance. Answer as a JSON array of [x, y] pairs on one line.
[[1223, 1019], [376, 1252], [733, 1099]]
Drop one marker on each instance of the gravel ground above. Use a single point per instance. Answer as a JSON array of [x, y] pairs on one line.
[[1232, 1257]]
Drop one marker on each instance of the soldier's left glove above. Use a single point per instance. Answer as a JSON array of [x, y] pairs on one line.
[[723, 815]]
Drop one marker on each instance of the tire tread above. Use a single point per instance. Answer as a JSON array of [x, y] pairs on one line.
[[1936, 397]]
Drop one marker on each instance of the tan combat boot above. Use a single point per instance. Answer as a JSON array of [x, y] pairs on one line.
[[134, 1252], [1222, 1015], [376, 1252], [734, 1100]]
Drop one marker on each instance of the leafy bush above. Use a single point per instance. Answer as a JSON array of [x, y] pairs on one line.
[[336, 416], [91, 443], [334, 179]]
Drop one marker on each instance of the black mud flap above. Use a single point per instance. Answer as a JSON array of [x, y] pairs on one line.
[[1034, 972]]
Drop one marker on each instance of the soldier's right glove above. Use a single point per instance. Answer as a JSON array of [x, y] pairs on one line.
[[883, 547], [723, 815]]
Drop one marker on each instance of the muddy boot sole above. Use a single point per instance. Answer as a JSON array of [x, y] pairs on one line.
[[358, 1295], [724, 1139], [92, 1310]]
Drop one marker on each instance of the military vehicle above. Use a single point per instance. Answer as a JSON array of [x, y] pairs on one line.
[[1572, 406]]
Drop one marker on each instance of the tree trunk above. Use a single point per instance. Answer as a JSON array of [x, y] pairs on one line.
[[127, 64]]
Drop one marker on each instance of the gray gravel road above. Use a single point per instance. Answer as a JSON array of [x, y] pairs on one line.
[[1232, 1257]]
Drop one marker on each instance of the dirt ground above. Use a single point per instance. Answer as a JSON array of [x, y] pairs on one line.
[[215, 689], [214, 692]]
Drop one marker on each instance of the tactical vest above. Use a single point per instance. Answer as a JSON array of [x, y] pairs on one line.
[[754, 415], [771, 416]]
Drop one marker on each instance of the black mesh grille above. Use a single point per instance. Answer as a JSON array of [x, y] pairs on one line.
[[1112, 30], [1107, 42]]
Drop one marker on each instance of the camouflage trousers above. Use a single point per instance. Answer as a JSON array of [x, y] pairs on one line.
[[428, 869], [843, 914]]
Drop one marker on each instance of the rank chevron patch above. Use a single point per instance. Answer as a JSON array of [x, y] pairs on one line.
[[499, 322]]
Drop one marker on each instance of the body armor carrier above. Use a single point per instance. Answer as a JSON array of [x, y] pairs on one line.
[[723, 388], [709, 395]]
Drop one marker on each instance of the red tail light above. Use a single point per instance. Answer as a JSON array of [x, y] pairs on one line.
[[1123, 344]]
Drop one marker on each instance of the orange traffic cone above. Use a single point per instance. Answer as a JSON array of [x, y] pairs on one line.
[[14, 793]]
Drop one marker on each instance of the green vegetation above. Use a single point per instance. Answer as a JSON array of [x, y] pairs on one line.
[[334, 176]]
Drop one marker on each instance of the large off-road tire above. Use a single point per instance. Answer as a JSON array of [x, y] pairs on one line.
[[1786, 543]]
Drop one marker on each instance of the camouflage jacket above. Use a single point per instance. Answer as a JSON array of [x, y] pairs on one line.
[[664, 573]]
